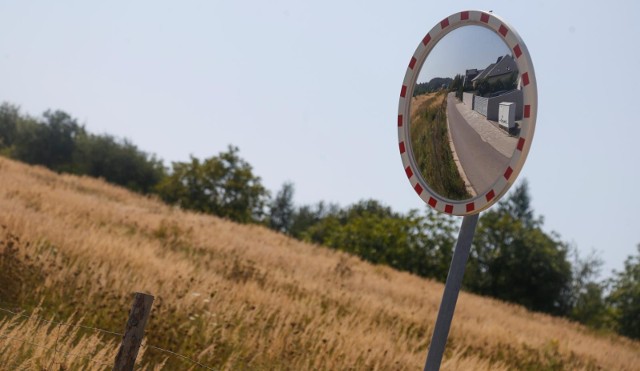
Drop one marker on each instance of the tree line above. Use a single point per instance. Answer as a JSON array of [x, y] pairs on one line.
[[512, 258], [432, 86], [57, 141]]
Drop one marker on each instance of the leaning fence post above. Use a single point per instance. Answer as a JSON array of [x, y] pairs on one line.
[[134, 332]]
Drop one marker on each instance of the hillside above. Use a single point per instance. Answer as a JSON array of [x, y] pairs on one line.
[[243, 297]]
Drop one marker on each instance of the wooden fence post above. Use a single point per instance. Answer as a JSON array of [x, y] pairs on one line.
[[134, 332]]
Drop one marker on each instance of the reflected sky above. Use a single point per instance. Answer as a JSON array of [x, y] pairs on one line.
[[464, 48]]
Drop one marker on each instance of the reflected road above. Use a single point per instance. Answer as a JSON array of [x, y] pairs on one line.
[[481, 163]]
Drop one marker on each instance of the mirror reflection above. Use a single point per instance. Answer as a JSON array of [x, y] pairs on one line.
[[465, 113]]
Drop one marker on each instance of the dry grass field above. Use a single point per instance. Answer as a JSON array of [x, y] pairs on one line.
[[417, 102], [236, 296]]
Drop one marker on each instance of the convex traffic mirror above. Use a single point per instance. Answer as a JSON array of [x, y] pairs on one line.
[[467, 112]]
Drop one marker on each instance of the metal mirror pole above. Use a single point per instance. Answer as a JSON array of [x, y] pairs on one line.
[[451, 290]]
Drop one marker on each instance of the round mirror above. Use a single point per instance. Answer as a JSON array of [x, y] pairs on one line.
[[467, 112]]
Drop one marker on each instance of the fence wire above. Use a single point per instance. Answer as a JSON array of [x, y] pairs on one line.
[[40, 319], [56, 351], [180, 356]]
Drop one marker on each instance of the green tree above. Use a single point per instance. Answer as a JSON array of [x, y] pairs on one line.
[[483, 87], [9, 118], [58, 142], [117, 161], [222, 185], [625, 297], [429, 249], [588, 304], [367, 229], [281, 210], [416, 242], [590, 307], [518, 205], [50, 143], [307, 216], [457, 86], [515, 260]]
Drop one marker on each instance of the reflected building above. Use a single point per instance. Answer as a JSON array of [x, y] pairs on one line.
[[501, 71], [498, 83]]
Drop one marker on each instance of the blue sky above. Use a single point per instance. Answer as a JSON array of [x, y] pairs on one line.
[[462, 49], [309, 92]]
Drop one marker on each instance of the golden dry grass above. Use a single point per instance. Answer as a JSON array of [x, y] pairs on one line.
[[34, 343], [243, 297], [417, 102]]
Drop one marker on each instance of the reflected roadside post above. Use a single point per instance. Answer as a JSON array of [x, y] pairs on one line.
[[466, 120]]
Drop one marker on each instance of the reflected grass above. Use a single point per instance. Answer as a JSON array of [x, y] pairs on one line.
[[431, 149]]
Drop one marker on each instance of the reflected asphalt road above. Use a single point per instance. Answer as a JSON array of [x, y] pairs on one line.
[[481, 162]]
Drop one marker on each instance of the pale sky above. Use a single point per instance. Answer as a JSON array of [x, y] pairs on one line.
[[463, 49], [309, 92]]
